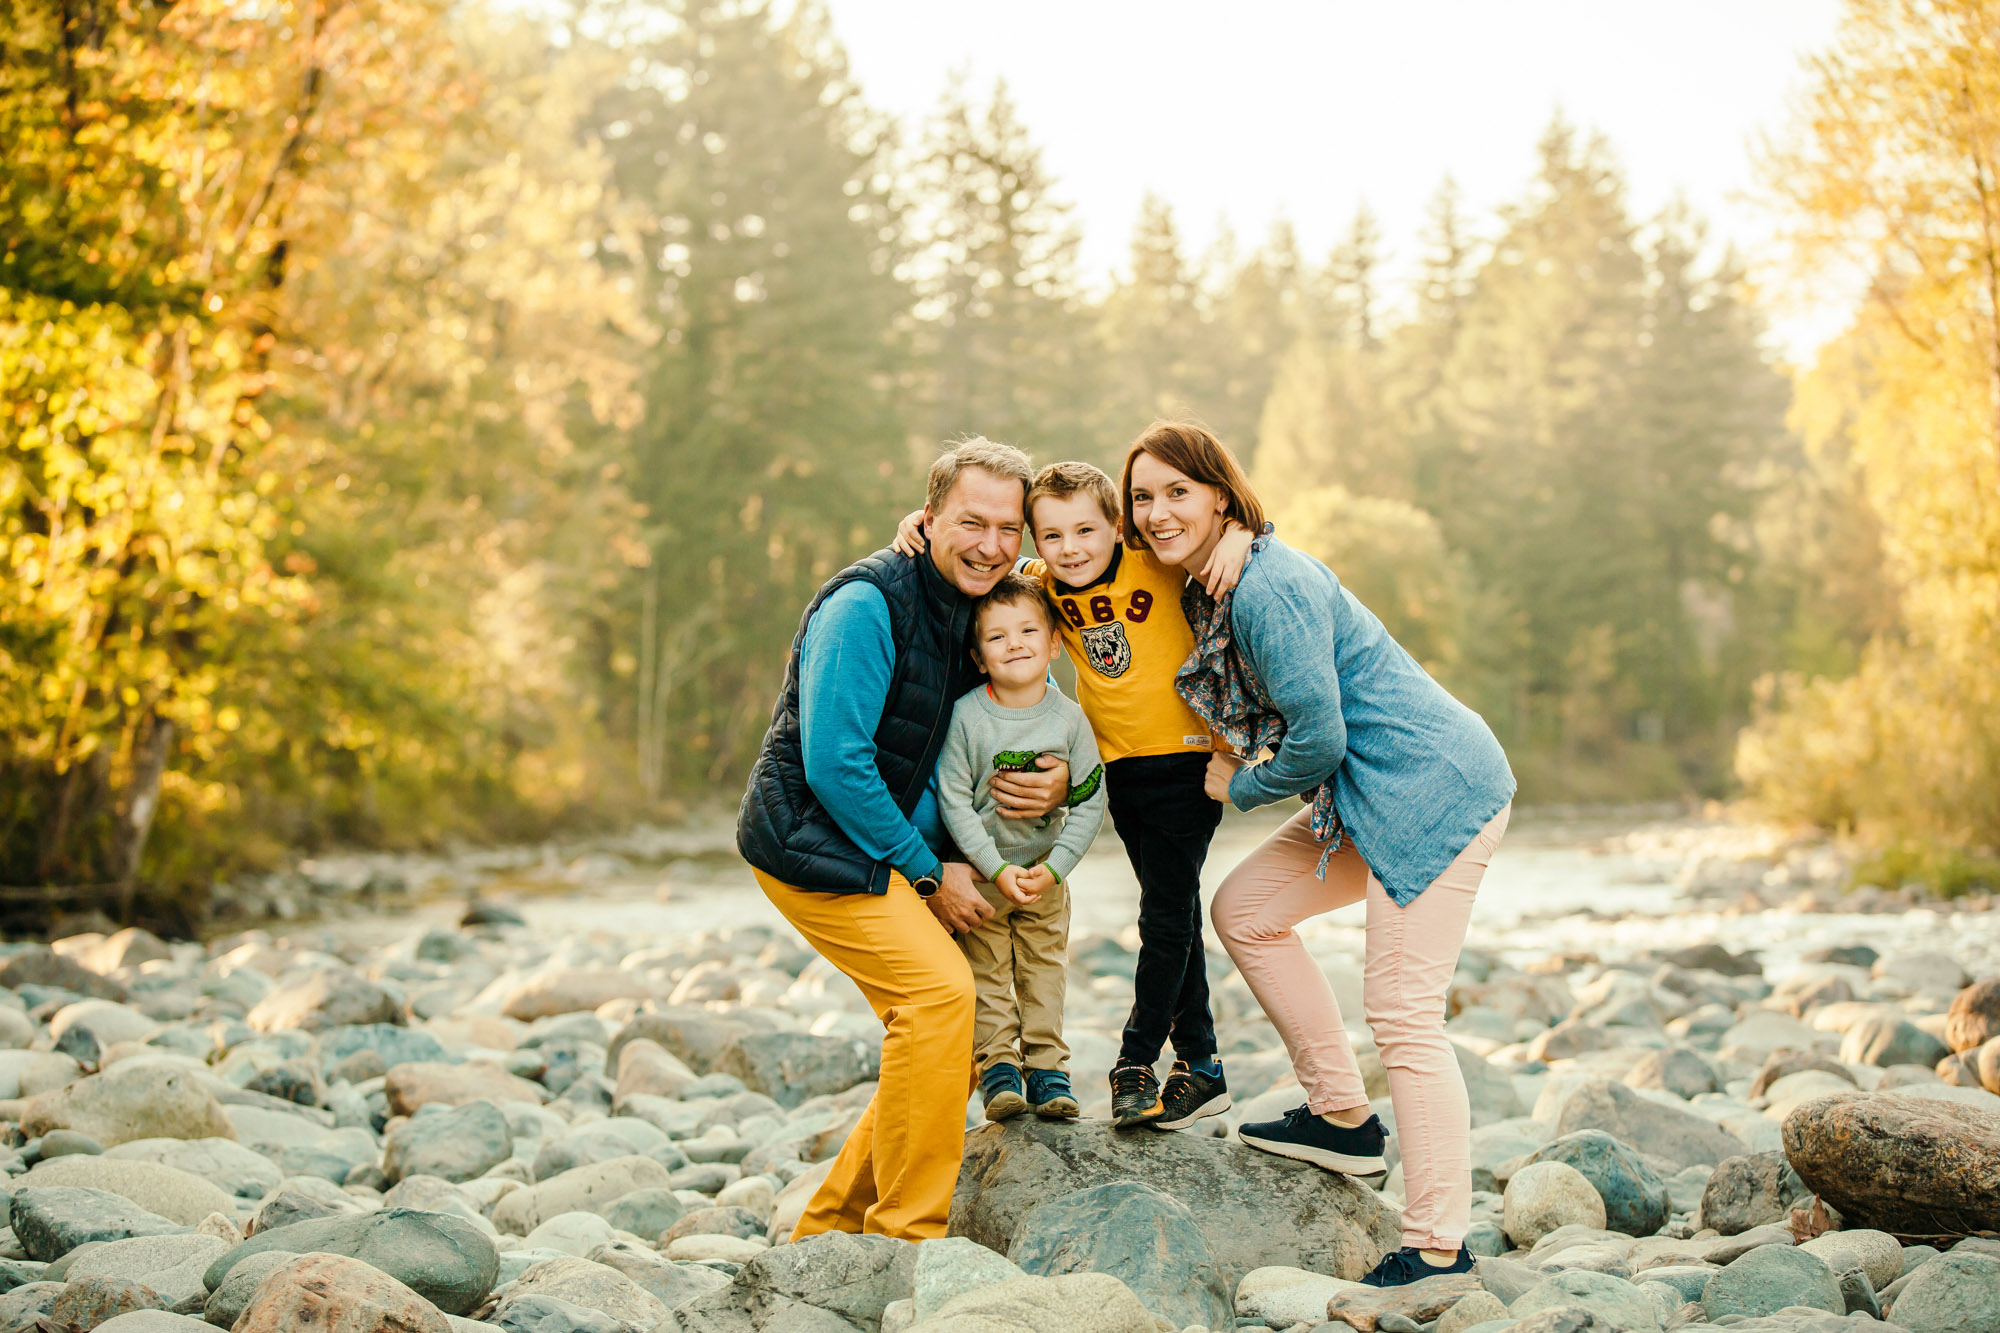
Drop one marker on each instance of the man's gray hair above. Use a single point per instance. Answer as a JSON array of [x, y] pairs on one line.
[[1000, 460]]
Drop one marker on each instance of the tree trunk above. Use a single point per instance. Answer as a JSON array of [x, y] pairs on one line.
[[142, 800]]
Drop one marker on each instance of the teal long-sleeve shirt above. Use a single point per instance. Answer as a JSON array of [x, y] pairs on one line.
[[845, 670]]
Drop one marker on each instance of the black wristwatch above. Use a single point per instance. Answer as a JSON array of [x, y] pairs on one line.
[[925, 885]]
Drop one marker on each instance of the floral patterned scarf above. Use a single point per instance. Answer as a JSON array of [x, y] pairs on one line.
[[1221, 685]]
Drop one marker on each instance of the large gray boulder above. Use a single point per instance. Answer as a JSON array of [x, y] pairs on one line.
[[830, 1283], [794, 1067], [446, 1259], [1145, 1238], [1637, 1121], [1254, 1209], [1905, 1165]]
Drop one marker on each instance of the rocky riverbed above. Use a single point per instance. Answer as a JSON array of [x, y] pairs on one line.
[[1708, 1086]]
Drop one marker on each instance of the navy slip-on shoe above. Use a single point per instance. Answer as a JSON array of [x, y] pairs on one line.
[[1310, 1138], [1408, 1265]]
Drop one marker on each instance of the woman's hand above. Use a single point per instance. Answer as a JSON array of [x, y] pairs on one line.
[[1226, 561], [1032, 795], [910, 534], [1222, 766]]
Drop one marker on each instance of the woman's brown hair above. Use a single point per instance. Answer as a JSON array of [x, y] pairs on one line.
[[1196, 454]]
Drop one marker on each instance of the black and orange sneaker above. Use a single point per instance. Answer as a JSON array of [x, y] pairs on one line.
[[1191, 1095], [1135, 1094]]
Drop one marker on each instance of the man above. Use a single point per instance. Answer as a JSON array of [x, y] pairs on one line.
[[841, 826]]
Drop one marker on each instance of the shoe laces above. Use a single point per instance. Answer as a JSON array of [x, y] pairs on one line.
[[1404, 1266], [1130, 1078]]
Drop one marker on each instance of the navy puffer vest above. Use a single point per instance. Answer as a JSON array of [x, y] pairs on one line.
[[781, 827]]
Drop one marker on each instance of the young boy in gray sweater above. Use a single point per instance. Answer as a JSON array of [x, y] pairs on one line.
[[1018, 956]]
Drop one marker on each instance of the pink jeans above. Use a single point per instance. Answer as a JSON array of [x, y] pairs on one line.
[[1412, 956]]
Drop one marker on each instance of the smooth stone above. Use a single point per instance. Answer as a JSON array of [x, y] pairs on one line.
[[419, 1083], [1635, 1199], [1546, 1195], [1769, 1279], [1679, 1136], [1974, 1016], [572, 1233], [329, 997], [225, 1163], [1904, 1165], [571, 990], [50, 1222], [587, 1189], [446, 1258], [1952, 1292], [1882, 1041], [457, 1144], [1616, 1303], [1876, 1253], [130, 1101], [647, 1214], [728, 1249], [1728, 1249], [593, 1286], [68, 1143], [150, 1321], [1687, 1280], [337, 1293], [1277, 1296], [88, 1302], [1677, 1070], [22, 1309], [39, 965], [392, 1044], [1368, 1309], [1480, 1307], [173, 1194], [1140, 1235], [1757, 1189], [688, 1032], [671, 1283], [170, 1265], [950, 1266], [225, 1304], [1075, 1303], [531, 1312]]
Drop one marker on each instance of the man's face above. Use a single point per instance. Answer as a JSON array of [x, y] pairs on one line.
[[975, 532]]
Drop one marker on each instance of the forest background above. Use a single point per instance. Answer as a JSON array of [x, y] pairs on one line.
[[421, 421]]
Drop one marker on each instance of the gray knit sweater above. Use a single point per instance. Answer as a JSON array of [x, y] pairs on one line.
[[986, 738]]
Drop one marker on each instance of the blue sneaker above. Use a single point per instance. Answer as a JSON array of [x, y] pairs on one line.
[[1000, 1091], [1049, 1095], [1408, 1265], [1311, 1138]]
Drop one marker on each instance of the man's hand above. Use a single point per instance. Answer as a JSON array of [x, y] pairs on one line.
[[1010, 882], [1032, 795], [958, 906], [910, 534], [1222, 766]]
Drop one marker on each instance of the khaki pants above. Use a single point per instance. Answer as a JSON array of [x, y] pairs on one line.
[[1018, 962], [897, 1170]]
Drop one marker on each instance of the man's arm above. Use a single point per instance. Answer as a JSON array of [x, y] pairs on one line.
[[844, 675]]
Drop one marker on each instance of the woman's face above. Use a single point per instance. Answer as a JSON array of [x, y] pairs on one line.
[[1179, 517]]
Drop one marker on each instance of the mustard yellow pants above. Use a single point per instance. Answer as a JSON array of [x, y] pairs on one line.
[[896, 1173]]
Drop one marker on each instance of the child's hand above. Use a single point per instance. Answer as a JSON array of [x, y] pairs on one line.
[[1010, 882], [910, 535], [1226, 561], [1036, 881], [1222, 766]]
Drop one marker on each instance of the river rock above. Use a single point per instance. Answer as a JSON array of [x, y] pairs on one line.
[[1076, 1303], [1143, 1237], [328, 997], [224, 1163], [133, 946], [52, 1221], [151, 1321], [1547, 1195], [338, 1294], [587, 1189], [689, 1032], [392, 1044], [593, 1286], [39, 965], [570, 990], [1882, 1041], [418, 1083], [226, 1302], [1753, 1190], [950, 1266], [130, 1101], [647, 1213], [169, 1265], [1480, 1307], [726, 1220], [672, 1284], [86, 1029], [1636, 1201], [1279, 1297], [1952, 1292], [87, 1302], [26, 1073], [1771, 1278], [173, 1194], [646, 1068], [1612, 1302], [1679, 1071], [1904, 1165], [532, 1312], [1974, 1016], [23, 1308], [458, 1144], [1254, 1208], [793, 1067], [1876, 1253], [1680, 1137], [446, 1258], [1370, 1308]]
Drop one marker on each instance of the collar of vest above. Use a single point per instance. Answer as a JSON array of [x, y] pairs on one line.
[[940, 592]]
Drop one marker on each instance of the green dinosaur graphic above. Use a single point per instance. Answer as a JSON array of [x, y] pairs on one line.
[[1016, 761]]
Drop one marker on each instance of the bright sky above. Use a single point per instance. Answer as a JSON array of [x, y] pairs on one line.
[[1259, 108]]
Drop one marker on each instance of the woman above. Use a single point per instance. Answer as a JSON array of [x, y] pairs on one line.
[[1407, 795]]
